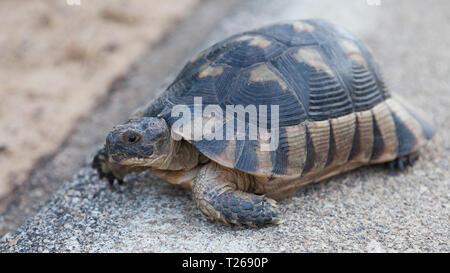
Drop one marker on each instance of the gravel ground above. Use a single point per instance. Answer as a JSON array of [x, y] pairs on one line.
[[369, 209], [147, 75]]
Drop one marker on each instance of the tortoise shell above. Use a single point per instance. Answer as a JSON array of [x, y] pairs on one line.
[[334, 108]]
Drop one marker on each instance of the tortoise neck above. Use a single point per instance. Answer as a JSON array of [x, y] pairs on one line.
[[182, 156]]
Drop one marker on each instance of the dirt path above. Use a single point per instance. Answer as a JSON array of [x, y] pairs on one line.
[[57, 60]]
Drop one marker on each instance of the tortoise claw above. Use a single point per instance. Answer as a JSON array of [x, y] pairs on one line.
[[110, 177], [410, 161], [100, 164], [400, 163], [391, 166]]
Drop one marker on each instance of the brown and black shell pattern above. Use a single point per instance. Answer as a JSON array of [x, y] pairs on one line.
[[334, 108]]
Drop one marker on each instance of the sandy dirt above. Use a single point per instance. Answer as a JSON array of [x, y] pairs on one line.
[[57, 60]]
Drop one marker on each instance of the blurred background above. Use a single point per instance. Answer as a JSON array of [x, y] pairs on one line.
[[57, 58], [72, 69]]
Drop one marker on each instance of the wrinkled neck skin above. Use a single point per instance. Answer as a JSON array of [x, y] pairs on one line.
[[183, 156]]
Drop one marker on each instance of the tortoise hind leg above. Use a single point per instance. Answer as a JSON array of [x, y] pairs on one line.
[[401, 162], [217, 197]]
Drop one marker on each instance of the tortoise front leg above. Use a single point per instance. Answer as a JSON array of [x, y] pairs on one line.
[[110, 170], [217, 197], [103, 167]]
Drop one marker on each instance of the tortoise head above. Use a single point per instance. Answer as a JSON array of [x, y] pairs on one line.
[[139, 142]]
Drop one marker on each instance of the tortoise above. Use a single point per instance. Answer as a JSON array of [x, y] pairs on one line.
[[335, 114]]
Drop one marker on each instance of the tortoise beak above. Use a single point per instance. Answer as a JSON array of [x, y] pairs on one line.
[[109, 148]]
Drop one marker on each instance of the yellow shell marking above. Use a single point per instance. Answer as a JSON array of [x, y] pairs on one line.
[[211, 71], [262, 73], [297, 149], [409, 121], [386, 125], [300, 27], [320, 137], [352, 51], [255, 40], [365, 123], [311, 57], [263, 156], [343, 132]]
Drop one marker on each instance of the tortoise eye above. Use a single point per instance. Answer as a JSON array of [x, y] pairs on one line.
[[131, 138]]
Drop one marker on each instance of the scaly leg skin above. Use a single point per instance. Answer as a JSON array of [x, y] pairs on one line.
[[101, 164], [401, 162], [216, 196]]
